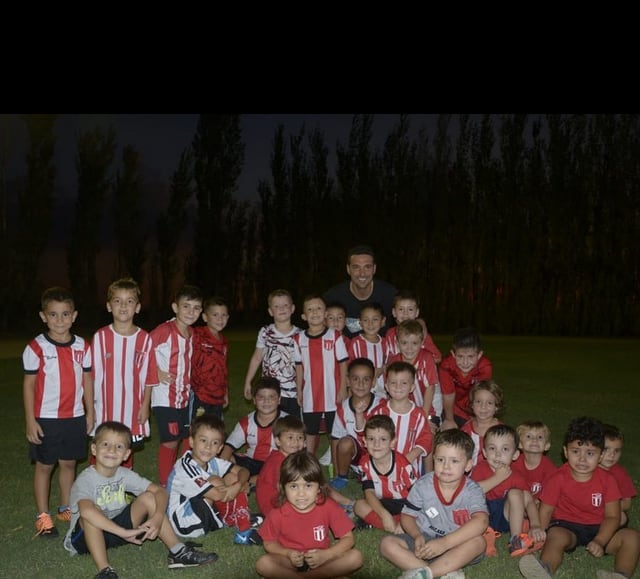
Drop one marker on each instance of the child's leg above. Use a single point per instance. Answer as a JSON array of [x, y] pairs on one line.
[[42, 486], [167, 456], [558, 541], [312, 443], [395, 550], [344, 566], [66, 476], [345, 450], [457, 557], [143, 507], [514, 511], [276, 566], [625, 545], [96, 544]]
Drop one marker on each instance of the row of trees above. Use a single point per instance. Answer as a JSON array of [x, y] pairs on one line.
[[515, 224]]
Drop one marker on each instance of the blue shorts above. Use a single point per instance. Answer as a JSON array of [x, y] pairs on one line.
[[64, 439], [123, 519], [173, 423], [497, 520]]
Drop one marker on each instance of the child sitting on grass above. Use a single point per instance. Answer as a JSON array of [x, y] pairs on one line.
[[387, 477], [580, 506], [296, 534], [444, 518], [102, 517], [206, 492]]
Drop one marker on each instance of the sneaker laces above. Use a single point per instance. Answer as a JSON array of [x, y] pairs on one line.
[[44, 524]]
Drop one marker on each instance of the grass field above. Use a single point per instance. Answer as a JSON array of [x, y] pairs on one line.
[[551, 379]]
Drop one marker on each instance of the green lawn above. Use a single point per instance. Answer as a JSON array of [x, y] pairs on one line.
[[551, 379]]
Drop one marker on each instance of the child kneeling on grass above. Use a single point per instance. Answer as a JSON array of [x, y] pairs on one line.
[[297, 533], [444, 518], [101, 516]]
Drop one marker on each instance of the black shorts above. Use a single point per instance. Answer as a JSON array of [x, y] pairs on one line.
[[312, 421], [394, 506], [199, 407], [584, 533], [111, 541], [251, 464], [173, 423], [64, 439], [290, 405]]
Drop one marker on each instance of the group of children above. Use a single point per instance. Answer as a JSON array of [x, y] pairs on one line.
[[439, 471]]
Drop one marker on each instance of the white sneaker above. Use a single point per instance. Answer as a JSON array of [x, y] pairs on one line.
[[325, 459], [420, 573], [459, 574]]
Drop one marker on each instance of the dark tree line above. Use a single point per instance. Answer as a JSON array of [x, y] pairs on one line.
[[513, 223]]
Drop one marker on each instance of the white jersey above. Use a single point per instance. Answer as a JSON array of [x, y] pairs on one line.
[[188, 480], [277, 359]]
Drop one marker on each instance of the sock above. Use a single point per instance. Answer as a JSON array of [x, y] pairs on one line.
[[374, 520], [177, 548], [166, 459], [62, 508]]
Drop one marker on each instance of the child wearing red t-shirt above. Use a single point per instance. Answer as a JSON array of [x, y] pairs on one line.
[[297, 534], [459, 371], [533, 463], [580, 506]]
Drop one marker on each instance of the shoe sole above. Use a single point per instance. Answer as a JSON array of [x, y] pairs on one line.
[[528, 550], [186, 566], [531, 568]]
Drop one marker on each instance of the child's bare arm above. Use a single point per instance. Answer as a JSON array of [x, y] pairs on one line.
[[275, 548], [428, 398], [33, 430], [374, 502], [607, 529], [316, 557], [87, 396], [342, 391], [227, 453], [501, 474], [299, 382], [414, 454], [93, 515], [254, 363], [536, 532], [474, 527], [448, 401]]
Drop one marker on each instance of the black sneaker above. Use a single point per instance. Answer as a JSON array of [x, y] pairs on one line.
[[361, 525], [248, 538], [256, 520], [189, 557], [107, 573]]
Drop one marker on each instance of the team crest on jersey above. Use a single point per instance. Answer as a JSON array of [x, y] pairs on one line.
[[596, 499], [536, 487], [319, 533], [78, 355], [328, 345]]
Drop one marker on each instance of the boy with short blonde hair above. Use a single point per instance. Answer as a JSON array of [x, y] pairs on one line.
[[533, 463]]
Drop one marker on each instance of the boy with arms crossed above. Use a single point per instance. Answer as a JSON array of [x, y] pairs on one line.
[[58, 404], [580, 506], [274, 351], [124, 367], [207, 493], [444, 518], [172, 344], [369, 344], [104, 518]]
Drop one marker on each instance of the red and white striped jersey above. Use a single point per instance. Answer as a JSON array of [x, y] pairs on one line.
[[412, 428], [320, 357], [173, 354], [122, 367], [391, 344], [394, 484], [258, 439], [344, 423], [359, 347], [426, 377], [59, 372]]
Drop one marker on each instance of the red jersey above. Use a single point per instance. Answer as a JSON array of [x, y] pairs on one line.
[[267, 482], [59, 370], [478, 441], [395, 483], [452, 381], [122, 367], [426, 377], [535, 477], [209, 376], [320, 357], [483, 471], [412, 429], [579, 502], [625, 482], [391, 344], [173, 354], [305, 531]]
